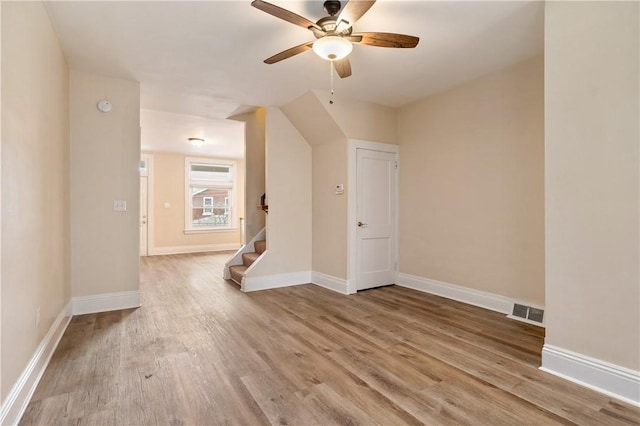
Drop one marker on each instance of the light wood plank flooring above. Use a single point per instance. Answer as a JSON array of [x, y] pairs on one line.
[[200, 352]]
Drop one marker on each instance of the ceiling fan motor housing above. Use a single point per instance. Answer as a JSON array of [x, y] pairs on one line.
[[332, 7]]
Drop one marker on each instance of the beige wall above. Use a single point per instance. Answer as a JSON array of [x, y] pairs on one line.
[[254, 218], [592, 179], [327, 128], [362, 120], [330, 210], [35, 182], [105, 153], [288, 184], [472, 184], [168, 187], [329, 168]]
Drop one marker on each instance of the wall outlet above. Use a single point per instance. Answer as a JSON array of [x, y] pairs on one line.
[[119, 206], [339, 189]]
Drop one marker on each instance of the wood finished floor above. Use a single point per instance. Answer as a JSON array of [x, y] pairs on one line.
[[200, 352]]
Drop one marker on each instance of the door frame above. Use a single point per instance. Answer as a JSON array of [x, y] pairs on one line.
[[149, 175], [352, 247]]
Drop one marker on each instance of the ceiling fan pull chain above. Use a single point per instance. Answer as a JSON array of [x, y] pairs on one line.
[[331, 77]]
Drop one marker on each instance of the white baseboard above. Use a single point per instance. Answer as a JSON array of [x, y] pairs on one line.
[[161, 251], [16, 402], [470, 296], [266, 282], [330, 282], [105, 302], [609, 379]]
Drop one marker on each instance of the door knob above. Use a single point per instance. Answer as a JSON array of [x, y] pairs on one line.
[[362, 225]]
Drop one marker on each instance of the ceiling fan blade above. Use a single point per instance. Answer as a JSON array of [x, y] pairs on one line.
[[353, 38], [351, 12], [343, 67], [284, 14], [288, 53], [387, 40]]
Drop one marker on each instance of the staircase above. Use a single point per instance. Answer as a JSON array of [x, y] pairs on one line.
[[237, 271]]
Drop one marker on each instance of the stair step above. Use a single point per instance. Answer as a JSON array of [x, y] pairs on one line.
[[249, 258], [260, 246], [237, 272]]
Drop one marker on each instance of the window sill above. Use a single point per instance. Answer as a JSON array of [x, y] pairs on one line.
[[209, 230]]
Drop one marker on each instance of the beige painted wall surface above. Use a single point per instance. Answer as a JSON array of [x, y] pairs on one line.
[[105, 154], [169, 187], [254, 217], [327, 127], [313, 121], [35, 182], [472, 184], [362, 120], [592, 179], [1, 392], [288, 183], [330, 210], [329, 168]]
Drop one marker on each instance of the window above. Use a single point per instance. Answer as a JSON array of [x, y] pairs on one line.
[[209, 204]]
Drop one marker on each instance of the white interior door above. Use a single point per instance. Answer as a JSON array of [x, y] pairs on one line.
[[144, 221], [376, 192]]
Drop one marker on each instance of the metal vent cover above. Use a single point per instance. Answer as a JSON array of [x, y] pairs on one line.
[[527, 313], [520, 310], [535, 315]]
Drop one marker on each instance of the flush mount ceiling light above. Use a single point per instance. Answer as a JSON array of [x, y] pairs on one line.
[[196, 141], [332, 48]]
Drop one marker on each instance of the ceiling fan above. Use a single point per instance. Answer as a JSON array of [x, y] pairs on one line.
[[334, 34]]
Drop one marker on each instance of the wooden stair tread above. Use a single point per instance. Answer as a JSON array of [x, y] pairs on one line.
[[249, 258], [260, 246], [237, 272]]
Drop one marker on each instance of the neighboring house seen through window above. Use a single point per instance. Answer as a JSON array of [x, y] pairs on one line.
[[209, 203]]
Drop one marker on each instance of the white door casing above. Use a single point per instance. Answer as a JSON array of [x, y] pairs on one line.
[[373, 251], [144, 217]]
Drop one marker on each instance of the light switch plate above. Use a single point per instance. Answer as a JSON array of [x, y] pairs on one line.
[[119, 206]]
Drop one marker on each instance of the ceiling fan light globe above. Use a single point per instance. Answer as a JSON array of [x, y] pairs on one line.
[[332, 48]]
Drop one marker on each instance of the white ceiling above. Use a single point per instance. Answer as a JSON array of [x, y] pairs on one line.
[[204, 58], [170, 132]]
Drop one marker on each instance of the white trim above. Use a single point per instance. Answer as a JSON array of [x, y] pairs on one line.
[[17, 400], [150, 205], [470, 296], [105, 302], [209, 230], [329, 282], [161, 251], [609, 379], [352, 261], [266, 282], [233, 186]]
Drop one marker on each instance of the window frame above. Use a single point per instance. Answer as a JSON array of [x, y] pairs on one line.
[[199, 183], [207, 209]]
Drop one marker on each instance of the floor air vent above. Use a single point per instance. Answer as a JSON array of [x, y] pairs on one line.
[[527, 314]]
